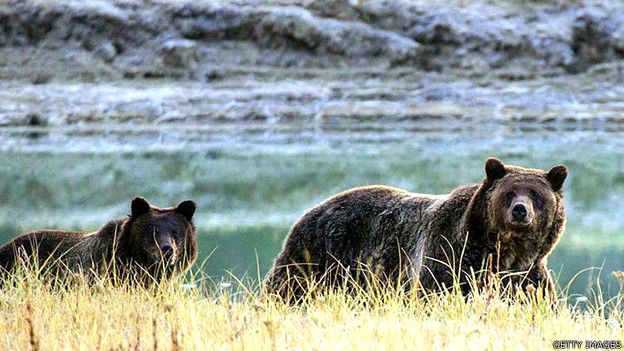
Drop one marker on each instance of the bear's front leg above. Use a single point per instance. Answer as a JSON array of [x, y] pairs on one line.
[[539, 278]]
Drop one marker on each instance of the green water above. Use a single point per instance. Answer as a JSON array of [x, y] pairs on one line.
[[247, 200]]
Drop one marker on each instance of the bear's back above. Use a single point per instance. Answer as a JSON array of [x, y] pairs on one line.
[[69, 248]]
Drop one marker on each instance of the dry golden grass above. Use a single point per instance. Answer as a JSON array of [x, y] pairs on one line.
[[173, 316]]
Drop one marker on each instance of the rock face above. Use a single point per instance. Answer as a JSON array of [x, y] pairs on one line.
[[179, 53], [186, 36], [298, 28]]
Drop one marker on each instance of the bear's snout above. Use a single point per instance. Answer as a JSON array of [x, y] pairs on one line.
[[520, 212], [168, 253], [167, 250]]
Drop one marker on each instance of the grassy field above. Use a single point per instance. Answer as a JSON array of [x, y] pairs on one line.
[[183, 317]]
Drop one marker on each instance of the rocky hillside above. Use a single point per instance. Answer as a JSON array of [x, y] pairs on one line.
[[322, 65], [108, 39]]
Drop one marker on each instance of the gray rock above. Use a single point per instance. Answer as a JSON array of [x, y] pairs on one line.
[[591, 39], [475, 36], [214, 23], [298, 28], [35, 120], [618, 39], [179, 53], [106, 51]]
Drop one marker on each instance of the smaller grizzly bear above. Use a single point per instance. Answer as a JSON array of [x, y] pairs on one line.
[[509, 224], [149, 245]]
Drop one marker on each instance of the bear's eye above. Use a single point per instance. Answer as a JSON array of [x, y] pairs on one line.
[[510, 195], [537, 199]]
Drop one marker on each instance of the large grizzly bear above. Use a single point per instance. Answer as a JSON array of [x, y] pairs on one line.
[[149, 245], [511, 220]]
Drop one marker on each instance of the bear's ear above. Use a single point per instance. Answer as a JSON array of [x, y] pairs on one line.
[[556, 176], [140, 206], [494, 169], [186, 208]]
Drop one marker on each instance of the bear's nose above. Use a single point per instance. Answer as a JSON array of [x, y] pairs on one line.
[[519, 212], [167, 250]]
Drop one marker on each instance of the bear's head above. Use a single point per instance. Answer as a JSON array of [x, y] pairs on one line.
[[522, 201], [522, 208], [161, 240]]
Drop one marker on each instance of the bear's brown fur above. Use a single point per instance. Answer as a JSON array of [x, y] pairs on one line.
[[513, 219], [150, 244]]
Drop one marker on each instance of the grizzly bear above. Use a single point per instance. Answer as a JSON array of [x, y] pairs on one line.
[[147, 246], [512, 220]]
